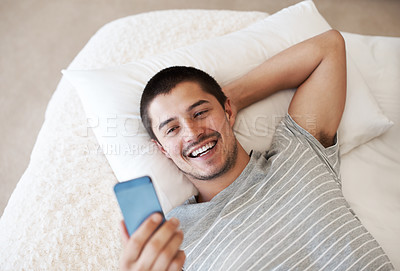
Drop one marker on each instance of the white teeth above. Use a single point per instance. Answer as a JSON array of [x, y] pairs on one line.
[[203, 149]]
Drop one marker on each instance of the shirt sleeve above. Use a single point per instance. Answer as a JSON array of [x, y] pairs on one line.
[[288, 128]]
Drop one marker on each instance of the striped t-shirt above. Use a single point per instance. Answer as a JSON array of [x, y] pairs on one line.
[[285, 211]]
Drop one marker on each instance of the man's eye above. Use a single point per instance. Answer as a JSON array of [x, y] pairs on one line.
[[198, 114], [171, 130]]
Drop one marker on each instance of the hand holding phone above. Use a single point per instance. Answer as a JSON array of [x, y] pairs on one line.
[[151, 242], [137, 199], [153, 246]]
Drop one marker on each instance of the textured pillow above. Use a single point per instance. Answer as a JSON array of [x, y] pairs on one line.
[[111, 98]]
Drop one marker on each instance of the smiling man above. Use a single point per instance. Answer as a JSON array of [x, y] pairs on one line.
[[278, 210], [196, 133]]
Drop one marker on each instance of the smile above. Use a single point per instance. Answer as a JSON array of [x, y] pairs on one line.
[[203, 150]]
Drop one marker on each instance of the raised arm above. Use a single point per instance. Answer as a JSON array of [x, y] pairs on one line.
[[317, 68]]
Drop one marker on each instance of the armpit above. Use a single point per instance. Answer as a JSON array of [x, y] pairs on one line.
[[325, 139]]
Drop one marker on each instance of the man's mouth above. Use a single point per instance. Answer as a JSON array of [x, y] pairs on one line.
[[198, 152]]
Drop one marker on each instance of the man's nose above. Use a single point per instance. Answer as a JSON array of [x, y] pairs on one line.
[[192, 131]]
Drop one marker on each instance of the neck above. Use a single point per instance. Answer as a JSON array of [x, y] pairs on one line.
[[210, 188]]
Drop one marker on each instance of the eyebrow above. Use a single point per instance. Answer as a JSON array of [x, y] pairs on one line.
[[190, 108], [165, 122]]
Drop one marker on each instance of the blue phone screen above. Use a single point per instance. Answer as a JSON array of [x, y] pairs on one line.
[[137, 199]]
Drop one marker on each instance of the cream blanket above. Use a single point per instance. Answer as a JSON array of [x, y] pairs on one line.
[[63, 214]]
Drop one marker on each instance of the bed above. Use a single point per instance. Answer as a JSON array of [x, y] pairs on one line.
[[63, 213]]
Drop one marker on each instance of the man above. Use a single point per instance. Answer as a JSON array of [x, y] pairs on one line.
[[279, 210]]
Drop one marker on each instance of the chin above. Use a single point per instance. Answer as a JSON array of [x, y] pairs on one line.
[[209, 176]]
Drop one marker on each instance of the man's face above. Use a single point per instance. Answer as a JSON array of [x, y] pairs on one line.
[[194, 131]]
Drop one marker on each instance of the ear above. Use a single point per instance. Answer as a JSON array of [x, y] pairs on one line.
[[230, 112], [161, 148]]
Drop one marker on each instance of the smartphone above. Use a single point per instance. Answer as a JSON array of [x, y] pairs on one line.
[[137, 199]]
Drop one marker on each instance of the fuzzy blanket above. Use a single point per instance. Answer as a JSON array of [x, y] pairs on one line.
[[63, 214]]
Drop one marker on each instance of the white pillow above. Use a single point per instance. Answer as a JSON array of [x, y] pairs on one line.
[[111, 98]]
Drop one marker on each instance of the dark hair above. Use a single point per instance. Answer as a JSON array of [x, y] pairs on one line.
[[167, 79]]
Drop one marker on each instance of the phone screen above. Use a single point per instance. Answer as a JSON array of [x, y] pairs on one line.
[[137, 199]]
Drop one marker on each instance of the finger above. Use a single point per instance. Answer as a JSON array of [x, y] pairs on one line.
[[178, 261], [140, 237], [124, 233], [157, 242], [169, 251]]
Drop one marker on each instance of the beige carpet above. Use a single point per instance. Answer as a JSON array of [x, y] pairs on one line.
[[41, 37]]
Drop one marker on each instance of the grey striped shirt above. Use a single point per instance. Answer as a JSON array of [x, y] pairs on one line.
[[285, 211]]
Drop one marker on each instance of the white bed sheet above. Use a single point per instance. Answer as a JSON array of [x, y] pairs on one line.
[[63, 212], [372, 171]]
